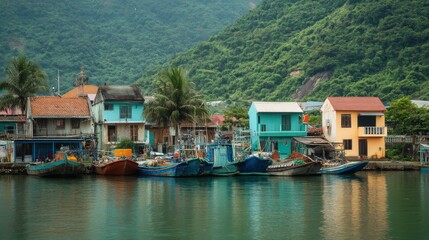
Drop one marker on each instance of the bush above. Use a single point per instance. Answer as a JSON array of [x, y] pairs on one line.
[[125, 143]]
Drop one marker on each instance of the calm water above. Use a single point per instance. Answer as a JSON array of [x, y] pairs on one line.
[[369, 205]]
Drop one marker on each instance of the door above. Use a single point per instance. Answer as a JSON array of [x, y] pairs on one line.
[[111, 133], [363, 148]]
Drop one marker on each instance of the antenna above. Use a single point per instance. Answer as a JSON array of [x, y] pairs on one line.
[[58, 80]]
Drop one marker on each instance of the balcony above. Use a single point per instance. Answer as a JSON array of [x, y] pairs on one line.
[[278, 132], [372, 132]]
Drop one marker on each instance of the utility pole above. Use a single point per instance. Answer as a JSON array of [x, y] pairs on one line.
[[58, 81]]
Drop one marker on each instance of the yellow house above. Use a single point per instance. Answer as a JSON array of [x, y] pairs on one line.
[[357, 123]]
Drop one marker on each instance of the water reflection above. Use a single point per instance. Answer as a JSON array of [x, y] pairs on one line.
[[365, 206], [354, 207]]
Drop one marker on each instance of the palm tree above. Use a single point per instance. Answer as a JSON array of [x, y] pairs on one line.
[[24, 79], [176, 101]]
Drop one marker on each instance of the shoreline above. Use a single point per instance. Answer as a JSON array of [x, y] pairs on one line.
[[378, 165]]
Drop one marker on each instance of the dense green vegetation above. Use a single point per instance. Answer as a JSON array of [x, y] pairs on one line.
[[332, 47], [114, 41]]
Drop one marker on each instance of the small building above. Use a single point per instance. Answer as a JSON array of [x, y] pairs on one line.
[[357, 123], [273, 125], [53, 122], [118, 113]]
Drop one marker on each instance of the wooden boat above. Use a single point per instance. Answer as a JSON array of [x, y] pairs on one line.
[[294, 168], [64, 165], [254, 165], [220, 155], [297, 164], [176, 168], [345, 168], [119, 167]]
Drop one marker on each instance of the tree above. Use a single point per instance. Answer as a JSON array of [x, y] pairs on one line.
[[176, 101], [24, 79], [407, 118], [236, 116]]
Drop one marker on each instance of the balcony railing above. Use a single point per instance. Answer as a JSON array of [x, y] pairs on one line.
[[301, 131], [372, 131]]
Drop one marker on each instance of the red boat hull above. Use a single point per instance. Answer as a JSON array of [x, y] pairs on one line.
[[120, 168]]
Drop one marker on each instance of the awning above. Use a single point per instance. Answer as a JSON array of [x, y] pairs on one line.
[[371, 114]]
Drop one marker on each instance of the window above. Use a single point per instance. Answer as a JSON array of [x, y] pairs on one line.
[[134, 132], [42, 123], [347, 144], [286, 123], [346, 121], [60, 123], [125, 112], [10, 129], [259, 119], [75, 123], [263, 128], [108, 107]]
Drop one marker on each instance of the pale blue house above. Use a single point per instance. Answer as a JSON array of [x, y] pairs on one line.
[[118, 113], [273, 125]]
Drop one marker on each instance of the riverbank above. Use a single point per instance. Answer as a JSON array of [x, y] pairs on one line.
[[19, 168]]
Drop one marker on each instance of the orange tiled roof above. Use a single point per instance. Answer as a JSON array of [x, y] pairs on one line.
[[363, 104], [52, 106], [87, 89]]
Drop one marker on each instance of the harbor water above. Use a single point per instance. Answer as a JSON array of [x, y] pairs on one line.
[[367, 205]]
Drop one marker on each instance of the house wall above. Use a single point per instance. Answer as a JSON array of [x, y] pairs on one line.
[[122, 132], [335, 133], [114, 115], [274, 132], [85, 128]]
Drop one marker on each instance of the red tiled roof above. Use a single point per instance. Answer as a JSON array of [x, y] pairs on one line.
[[363, 104], [52, 106]]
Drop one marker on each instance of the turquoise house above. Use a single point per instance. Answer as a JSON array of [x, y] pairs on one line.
[[273, 125], [118, 114]]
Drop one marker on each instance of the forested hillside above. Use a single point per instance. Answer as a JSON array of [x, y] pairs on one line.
[[113, 41], [303, 49]]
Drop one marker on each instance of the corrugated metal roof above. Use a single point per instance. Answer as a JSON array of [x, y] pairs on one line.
[[291, 107], [116, 92], [53, 106], [363, 104]]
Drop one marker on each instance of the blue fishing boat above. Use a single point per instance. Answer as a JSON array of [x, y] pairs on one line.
[[254, 165], [221, 157], [64, 165], [346, 168], [175, 168]]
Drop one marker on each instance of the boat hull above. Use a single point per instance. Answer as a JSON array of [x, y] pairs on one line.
[[347, 168], [189, 168], [227, 170], [59, 168], [298, 170], [254, 165], [123, 167]]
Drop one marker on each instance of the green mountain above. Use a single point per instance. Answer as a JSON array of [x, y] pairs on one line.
[[114, 41], [304, 49]]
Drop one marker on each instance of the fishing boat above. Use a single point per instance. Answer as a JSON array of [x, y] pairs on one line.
[[297, 164], [120, 163], [220, 155], [294, 168], [254, 165], [63, 165], [175, 168], [343, 168], [118, 167]]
